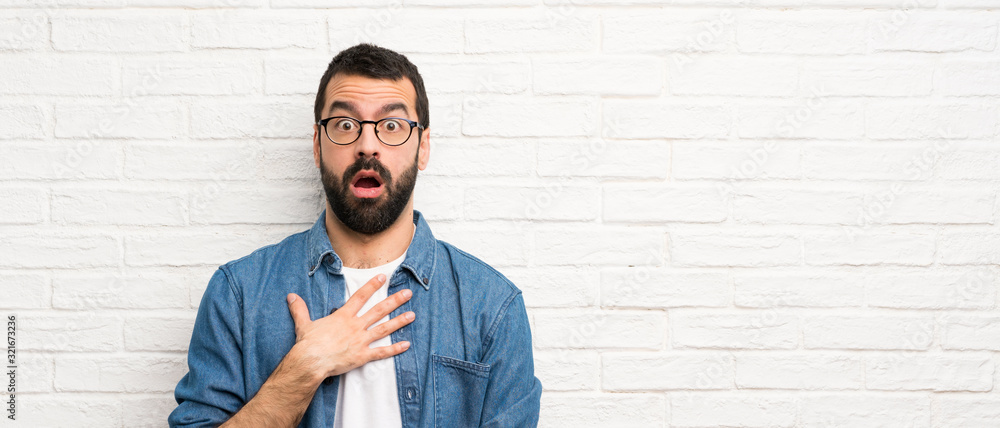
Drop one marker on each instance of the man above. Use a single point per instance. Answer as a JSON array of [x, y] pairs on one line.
[[364, 320]]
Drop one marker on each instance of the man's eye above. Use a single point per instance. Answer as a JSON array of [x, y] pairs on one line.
[[344, 125], [391, 126]]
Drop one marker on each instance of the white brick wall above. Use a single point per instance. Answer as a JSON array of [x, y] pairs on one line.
[[752, 213]]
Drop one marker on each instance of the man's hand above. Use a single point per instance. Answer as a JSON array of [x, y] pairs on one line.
[[341, 341], [329, 346]]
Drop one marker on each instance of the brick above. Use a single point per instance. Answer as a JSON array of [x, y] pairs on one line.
[[281, 4], [976, 411], [148, 412], [256, 30], [243, 120], [741, 160], [955, 289], [458, 159], [497, 246], [119, 374], [131, 119], [868, 331], [435, 198], [894, 120], [24, 33], [592, 410], [968, 248], [23, 205], [817, 116], [606, 245], [74, 331], [798, 371], [27, 291], [864, 247], [599, 158], [60, 75], [519, 116], [657, 119], [874, 77], [676, 31], [937, 31], [709, 75], [123, 33], [798, 289], [122, 291], [796, 205], [52, 249], [253, 203], [523, 34], [734, 249], [202, 77], [801, 32], [967, 78], [556, 287], [406, 31], [882, 161], [158, 333], [726, 409], [219, 161], [553, 200], [34, 375], [55, 160], [57, 410], [448, 111], [289, 159], [959, 160], [479, 75], [294, 76], [671, 203], [23, 121], [935, 372], [600, 329], [118, 206], [696, 328], [197, 4], [618, 75], [864, 410], [971, 332], [665, 371], [661, 288], [565, 370], [194, 247]]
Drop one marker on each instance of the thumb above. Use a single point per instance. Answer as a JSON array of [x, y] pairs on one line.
[[299, 311]]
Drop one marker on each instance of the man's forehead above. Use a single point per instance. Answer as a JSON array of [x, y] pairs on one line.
[[362, 89]]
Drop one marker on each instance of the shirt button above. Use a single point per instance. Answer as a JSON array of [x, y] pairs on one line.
[[410, 392], [328, 380], [426, 280]]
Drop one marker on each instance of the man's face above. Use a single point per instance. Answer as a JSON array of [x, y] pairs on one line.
[[369, 184]]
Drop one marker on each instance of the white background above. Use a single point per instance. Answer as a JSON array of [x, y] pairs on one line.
[[761, 213]]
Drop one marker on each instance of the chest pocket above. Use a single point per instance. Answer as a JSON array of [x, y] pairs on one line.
[[459, 391]]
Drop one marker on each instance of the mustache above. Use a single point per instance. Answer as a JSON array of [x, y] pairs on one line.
[[369, 163]]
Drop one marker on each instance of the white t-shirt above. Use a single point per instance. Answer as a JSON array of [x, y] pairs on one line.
[[367, 396]]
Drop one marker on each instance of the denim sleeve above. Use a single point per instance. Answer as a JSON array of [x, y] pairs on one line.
[[213, 389], [513, 396]]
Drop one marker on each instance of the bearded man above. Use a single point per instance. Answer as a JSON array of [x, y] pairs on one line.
[[365, 319]]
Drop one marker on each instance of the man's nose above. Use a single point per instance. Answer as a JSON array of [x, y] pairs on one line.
[[368, 144]]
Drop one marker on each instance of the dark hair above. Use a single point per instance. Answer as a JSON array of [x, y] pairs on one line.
[[378, 63]]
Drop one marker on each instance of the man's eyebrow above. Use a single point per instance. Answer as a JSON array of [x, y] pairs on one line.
[[344, 105], [392, 107]]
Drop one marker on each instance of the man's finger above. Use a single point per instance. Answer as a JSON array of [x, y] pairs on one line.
[[300, 312], [360, 297]]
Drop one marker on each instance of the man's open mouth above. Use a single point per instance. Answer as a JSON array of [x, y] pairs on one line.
[[367, 184]]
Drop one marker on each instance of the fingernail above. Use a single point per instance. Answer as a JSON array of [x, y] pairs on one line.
[[381, 277], [407, 293], [405, 345], [409, 316], [291, 298]]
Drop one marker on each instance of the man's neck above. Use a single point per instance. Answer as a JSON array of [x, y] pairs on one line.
[[360, 251]]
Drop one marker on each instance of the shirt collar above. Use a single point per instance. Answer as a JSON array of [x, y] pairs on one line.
[[420, 255]]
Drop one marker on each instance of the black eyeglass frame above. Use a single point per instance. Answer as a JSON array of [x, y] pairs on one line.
[[361, 129]]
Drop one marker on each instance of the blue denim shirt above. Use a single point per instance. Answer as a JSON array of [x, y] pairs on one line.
[[469, 362]]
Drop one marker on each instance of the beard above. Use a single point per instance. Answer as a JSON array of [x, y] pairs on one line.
[[369, 216]]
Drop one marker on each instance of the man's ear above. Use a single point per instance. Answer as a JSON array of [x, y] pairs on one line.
[[424, 155], [317, 152]]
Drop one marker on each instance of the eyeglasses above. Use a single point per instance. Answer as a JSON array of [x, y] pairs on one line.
[[391, 131]]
